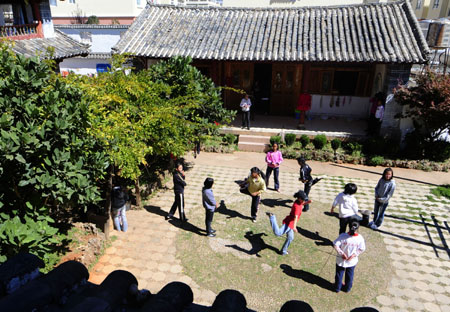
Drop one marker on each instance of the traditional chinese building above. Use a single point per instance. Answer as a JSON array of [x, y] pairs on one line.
[[340, 55], [29, 24]]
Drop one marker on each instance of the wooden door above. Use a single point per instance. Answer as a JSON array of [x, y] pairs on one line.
[[238, 76], [286, 85]]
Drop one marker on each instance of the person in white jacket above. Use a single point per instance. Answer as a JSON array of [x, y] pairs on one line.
[[348, 206], [245, 107], [348, 246]]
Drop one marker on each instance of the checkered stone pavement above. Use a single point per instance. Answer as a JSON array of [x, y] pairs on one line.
[[415, 231]]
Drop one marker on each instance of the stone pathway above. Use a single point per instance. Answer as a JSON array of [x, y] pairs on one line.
[[417, 246]]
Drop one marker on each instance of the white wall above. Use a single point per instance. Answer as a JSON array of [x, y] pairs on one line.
[[354, 107], [81, 66], [288, 3], [98, 8], [102, 39]]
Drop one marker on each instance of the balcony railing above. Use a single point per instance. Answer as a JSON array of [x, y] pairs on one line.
[[26, 31]]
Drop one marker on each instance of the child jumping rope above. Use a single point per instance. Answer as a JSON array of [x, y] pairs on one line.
[[348, 206], [290, 222], [254, 186]]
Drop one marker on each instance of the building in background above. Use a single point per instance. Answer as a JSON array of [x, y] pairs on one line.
[[100, 38], [107, 11], [29, 24], [340, 55]]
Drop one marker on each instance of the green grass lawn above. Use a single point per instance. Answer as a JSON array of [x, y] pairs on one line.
[[244, 256]]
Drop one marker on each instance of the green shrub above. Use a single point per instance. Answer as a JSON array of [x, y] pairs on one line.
[[230, 138], [374, 146], [93, 20], [33, 236], [443, 190], [438, 151], [354, 148], [335, 144], [319, 141], [275, 139], [304, 140], [289, 138], [376, 161]]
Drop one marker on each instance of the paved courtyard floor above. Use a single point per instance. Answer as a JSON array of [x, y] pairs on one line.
[[415, 230]]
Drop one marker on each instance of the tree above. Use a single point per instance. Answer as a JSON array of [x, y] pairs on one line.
[[428, 103]]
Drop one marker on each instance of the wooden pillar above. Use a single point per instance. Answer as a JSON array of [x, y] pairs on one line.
[[37, 15]]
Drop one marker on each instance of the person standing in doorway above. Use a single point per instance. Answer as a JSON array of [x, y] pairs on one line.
[[273, 160], [348, 246], [306, 178], [210, 205], [245, 106], [178, 188], [383, 192], [379, 114]]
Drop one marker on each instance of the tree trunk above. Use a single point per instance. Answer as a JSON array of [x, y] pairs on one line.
[[137, 191]]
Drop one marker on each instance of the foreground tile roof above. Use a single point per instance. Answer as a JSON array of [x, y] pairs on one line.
[[63, 47], [381, 33]]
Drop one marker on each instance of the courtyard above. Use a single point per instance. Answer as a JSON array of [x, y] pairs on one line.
[[405, 268]]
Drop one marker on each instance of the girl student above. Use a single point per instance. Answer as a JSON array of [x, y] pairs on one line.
[[254, 186]]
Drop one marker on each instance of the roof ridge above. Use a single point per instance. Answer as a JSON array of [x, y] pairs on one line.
[[222, 8]]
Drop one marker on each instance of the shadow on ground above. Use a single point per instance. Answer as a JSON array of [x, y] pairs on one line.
[[257, 242], [231, 213], [307, 277]]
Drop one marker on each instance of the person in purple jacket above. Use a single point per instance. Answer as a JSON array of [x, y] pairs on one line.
[[210, 205], [273, 160]]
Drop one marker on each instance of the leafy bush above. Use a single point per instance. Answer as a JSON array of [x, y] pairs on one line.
[[93, 20], [443, 190], [438, 151], [335, 144], [374, 146], [48, 157], [319, 141], [289, 138], [230, 138], [304, 140], [354, 148], [275, 139], [376, 160], [34, 236]]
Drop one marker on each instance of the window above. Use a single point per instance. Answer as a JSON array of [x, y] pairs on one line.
[[86, 36], [53, 3], [436, 4], [340, 81], [419, 4], [103, 68], [71, 1]]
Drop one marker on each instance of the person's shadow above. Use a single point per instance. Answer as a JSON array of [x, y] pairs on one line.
[[272, 202], [257, 242], [319, 240], [307, 277], [230, 213], [331, 214], [176, 222]]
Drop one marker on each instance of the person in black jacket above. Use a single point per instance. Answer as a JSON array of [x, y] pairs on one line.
[[178, 187], [119, 199], [306, 178]]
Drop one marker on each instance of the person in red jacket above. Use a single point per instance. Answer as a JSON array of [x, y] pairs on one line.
[[290, 222]]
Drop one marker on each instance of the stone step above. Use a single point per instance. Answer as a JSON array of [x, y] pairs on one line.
[[254, 139], [252, 146]]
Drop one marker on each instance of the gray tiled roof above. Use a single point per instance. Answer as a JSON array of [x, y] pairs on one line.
[[382, 33], [90, 26], [63, 46]]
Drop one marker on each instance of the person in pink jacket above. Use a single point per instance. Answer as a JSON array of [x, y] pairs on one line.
[[273, 160]]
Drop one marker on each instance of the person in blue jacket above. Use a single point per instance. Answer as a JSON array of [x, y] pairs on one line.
[[210, 205]]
